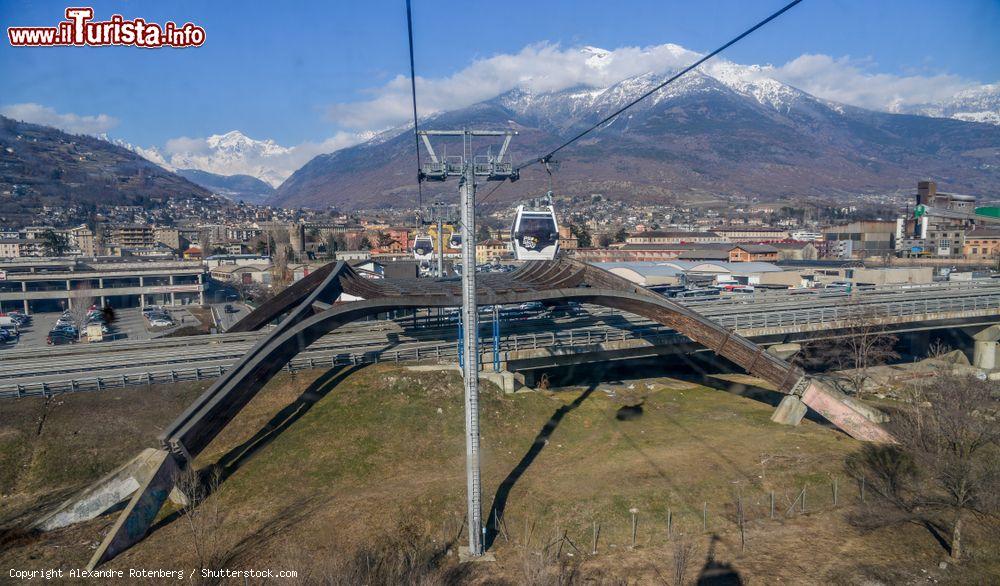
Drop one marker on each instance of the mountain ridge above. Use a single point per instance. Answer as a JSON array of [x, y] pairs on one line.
[[738, 132], [41, 165]]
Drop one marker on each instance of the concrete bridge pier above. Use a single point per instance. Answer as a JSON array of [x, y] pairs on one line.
[[117, 486], [985, 349], [791, 410]]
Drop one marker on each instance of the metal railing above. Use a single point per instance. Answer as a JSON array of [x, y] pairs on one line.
[[652, 332], [308, 360]]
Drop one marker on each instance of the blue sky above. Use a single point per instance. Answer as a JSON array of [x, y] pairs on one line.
[[305, 71]]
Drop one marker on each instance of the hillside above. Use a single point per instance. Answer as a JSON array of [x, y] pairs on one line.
[[732, 134], [236, 187], [40, 166], [365, 482]]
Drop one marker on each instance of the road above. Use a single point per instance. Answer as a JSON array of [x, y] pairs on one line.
[[429, 337]]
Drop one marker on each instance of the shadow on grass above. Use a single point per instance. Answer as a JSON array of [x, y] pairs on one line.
[[231, 461], [753, 392], [503, 491], [715, 573], [212, 475]]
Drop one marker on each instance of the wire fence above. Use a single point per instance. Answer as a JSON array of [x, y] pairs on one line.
[[749, 513]]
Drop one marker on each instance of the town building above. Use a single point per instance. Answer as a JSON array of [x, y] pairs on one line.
[[493, 250], [861, 239], [796, 250], [982, 243], [707, 251], [750, 233], [11, 247], [672, 237], [170, 237], [127, 236], [243, 274], [83, 239], [933, 234]]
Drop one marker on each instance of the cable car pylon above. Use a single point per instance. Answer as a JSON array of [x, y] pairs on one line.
[[468, 168]]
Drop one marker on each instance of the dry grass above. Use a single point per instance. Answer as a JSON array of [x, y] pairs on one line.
[[383, 450]]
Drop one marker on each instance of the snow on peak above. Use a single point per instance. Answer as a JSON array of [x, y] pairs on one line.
[[235, 141], [597, 58], [151, 154], [979, 104]]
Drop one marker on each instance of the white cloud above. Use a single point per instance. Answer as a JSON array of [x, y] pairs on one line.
[[74, 123], [539, 68], [183, 144], [847, 81], [546, 67]]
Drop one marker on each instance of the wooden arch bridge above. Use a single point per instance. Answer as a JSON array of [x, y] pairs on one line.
[[308, 310]]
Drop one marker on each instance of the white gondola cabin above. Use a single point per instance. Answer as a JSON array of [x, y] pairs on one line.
[[534, 235]]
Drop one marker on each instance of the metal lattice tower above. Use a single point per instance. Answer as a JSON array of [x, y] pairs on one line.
[[468, 168]]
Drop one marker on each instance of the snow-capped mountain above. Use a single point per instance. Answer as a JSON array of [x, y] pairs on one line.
[[724, 129], [981, 104], [561, 111], [151, 154], [234, 153]]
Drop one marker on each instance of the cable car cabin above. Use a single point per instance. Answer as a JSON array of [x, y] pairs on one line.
[[535, 234], [423, 247], [455, 241]]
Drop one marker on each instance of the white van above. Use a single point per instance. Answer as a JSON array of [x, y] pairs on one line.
[[10, 324]]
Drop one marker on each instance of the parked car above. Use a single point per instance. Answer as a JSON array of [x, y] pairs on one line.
[[57, 339], [67, 329], [230, 309], [20, 318], [161, 322]]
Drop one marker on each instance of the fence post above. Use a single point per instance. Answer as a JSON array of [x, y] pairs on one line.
[[772, 504], [634, 511], [704, 516], [670, 523], [835, 491]]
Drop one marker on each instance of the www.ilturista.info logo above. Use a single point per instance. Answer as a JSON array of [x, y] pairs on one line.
[[80, 30]]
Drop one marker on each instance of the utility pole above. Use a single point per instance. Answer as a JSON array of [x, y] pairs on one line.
[[468, 167]]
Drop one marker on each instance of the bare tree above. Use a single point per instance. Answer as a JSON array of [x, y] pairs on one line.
[[203, 516], [937, 349], [865, 343], [79, 310], [279, 263], [683, 554], [946, 461]]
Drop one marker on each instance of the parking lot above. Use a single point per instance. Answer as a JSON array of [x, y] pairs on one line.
[[128, 325]]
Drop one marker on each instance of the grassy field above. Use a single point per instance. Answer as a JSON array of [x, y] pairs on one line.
[[324, 469]]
